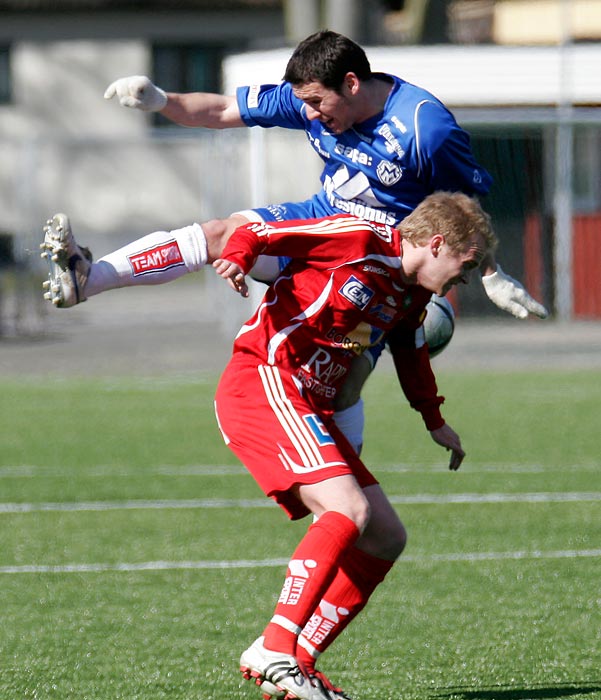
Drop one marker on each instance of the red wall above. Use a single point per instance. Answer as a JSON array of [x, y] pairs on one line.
[[586, 252], [586, 263]]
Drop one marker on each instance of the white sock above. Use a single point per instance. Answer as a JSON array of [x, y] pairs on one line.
[[157, 258], [351, 422]]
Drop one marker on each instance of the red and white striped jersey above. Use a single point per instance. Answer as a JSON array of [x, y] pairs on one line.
[[341, 293]]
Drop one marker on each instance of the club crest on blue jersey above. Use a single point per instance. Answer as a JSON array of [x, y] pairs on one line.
[[388, 173], [356, 292]]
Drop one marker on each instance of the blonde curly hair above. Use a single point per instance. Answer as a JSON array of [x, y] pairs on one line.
[[456, 216]]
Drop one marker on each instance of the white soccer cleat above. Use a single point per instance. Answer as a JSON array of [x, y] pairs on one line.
[[328, 687], [278, 672], [68, 264], [271, 692]]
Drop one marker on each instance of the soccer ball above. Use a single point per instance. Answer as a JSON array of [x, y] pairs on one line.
[[439, 324]]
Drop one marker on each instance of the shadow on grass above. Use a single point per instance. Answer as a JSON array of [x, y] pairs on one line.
[[537, 692]]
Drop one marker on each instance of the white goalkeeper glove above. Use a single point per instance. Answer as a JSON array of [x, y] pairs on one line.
[[508, 294], [139, 92]]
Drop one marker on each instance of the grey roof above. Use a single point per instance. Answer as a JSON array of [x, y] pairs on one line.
[[116, 5]]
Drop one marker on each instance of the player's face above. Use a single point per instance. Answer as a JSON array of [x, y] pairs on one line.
[[448, 268], [333, 109]]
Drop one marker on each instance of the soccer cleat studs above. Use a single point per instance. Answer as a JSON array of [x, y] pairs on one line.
[[68, 264]]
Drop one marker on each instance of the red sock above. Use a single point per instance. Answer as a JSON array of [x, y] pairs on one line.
[[313, 566], [358, 575]]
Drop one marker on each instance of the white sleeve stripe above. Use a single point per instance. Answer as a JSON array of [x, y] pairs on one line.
[[324, 227], [416, 129]]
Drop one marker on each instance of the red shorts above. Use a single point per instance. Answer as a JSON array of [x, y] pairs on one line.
[[278, 436]]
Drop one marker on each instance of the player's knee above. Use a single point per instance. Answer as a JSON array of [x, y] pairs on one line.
[[360, 513], [340, 494], [385, 536], [391, 542], [356, 508], [398, 541]]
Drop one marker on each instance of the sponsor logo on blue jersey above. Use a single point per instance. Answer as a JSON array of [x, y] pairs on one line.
[[316, 143], [392, 145], [278, 211], [399, 124], [356, 292], [253, 96], [353, 154]]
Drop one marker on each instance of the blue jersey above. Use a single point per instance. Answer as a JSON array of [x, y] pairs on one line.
[[382, 168]]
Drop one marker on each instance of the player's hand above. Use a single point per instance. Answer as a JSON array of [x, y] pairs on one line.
[[137, 91], [234, 275], [508, 294], [449, 439]]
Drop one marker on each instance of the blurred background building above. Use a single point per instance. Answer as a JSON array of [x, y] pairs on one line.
[[520, 75]]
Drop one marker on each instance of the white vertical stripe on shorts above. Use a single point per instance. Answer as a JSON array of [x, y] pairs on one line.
[[294, 426]]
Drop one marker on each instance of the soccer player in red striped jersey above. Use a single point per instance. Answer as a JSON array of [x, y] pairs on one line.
[[349, 283]]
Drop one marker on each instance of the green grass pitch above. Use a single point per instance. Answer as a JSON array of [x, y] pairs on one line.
[[138, 559]]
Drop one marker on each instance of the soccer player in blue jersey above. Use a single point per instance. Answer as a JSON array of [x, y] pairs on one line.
[[385, 143]]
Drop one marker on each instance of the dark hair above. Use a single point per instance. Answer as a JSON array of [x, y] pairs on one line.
[[326, 57]]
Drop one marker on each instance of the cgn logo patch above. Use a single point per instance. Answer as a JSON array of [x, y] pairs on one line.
[[356, 292]]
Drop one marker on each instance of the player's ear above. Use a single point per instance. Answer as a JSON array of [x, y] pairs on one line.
[[351, 83], [436, 243]]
